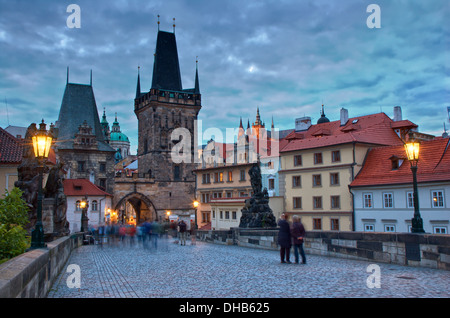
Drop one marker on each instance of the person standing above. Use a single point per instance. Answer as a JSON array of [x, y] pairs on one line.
[[284, 239], [182, 226], [298, 233]]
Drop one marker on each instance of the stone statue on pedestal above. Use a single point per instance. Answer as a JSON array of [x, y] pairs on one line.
[[257, 213]]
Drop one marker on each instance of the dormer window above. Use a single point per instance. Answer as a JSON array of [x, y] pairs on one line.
[[396, 162]]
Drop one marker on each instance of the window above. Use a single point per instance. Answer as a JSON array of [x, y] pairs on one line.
[[367, 200], [216, 177], [271, 184], [205, 197], [296, 181], [176, 173], [102, 167], [243, 194], [77, 206], [206, 217], [334, 224], [81, 166], [318, 158], [335, 156], [242, 175], [334, 178], [230, 176], [440, 230], [217, 195], [227, 215], [297, 202], [389, 228], [297, 160], [102, 183], [94, 205], [335, 202], [317, 202], [234, 215], [388, 200], [206, 178], [317, 224], [317, 180], [221, 215], [409, 199], [369, 228], [229, 194], [438, 198]]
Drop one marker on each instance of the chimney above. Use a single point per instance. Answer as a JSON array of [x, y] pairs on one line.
[[302, 123], [397, 113], [344, 116]]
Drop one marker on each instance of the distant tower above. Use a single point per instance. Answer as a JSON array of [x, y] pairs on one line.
[[160, 111], [82, 144]]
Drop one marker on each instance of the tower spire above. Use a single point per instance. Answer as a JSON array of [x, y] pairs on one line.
[[197, 85], [138, 86]]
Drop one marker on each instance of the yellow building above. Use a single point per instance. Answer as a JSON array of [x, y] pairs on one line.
[[320, 161], [220, 184], [10, 159]]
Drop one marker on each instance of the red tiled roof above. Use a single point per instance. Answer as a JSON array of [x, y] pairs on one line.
[[82, 187], [11, 148], [371, 129], [434, 165]]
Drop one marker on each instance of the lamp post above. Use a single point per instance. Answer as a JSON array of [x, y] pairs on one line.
[[412, 148], [42, 141], [196, 203], [84, 205]]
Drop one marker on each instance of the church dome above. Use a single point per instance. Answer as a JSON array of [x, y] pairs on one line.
[[323, 118], [118, 136]]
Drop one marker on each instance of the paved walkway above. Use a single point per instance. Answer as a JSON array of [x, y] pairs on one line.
[[217, 271]]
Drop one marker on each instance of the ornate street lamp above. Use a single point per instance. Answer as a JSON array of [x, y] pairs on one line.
[[84, 205], [412, 148], [196, 203], [42, 141]]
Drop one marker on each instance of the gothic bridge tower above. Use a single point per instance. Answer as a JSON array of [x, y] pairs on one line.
[[166, 185]]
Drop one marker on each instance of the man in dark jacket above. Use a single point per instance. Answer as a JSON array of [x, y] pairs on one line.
[[298, 233], [284, 239]]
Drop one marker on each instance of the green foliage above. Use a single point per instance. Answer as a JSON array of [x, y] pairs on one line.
[[13, 219], [13, 209]]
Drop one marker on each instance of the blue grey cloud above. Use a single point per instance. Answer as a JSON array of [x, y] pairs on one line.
[[284, 57]]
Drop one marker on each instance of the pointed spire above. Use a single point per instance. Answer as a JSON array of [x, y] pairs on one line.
[[273, 126], [240, 124], [138, 86], [248, 123], [197, 85], [67, 81]]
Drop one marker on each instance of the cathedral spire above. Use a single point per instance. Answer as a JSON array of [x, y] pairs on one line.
[[138, 86], [197, 85]]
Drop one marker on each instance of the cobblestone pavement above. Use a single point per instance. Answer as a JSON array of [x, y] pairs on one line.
[[208, 270]]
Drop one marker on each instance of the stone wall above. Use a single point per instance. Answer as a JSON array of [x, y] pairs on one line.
[[31, 275], [422, 250]]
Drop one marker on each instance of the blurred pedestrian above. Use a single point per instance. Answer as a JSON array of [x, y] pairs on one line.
[[284, 239], [182, 229], [298, 233]]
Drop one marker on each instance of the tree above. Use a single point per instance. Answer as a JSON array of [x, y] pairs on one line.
[[13, 218]]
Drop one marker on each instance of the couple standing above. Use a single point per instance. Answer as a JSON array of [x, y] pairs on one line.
[[288, 235]]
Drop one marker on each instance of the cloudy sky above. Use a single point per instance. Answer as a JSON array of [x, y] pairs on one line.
[[286, 57]]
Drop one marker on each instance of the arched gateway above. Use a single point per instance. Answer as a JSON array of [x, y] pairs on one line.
[[144, 209]]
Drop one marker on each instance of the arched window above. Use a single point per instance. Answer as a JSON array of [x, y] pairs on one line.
[[77, 206], [94, 205]]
